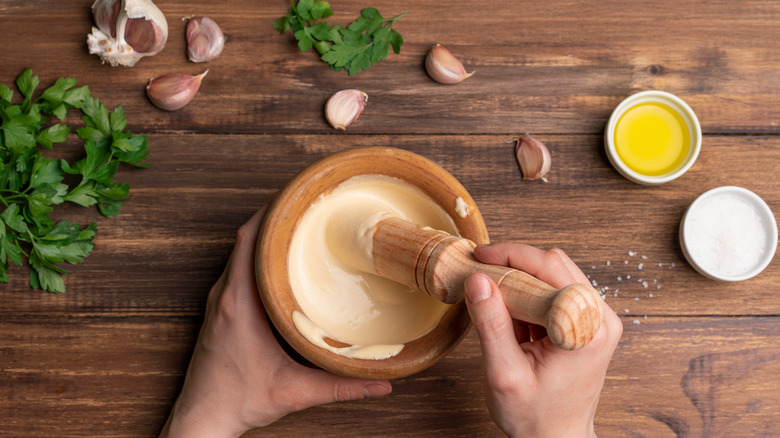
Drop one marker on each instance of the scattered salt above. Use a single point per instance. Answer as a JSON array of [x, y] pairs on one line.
[[644, 257], [631, 253], [625, 310], [640, 266], [619, 278], [636, 299], [628, 277], [644, 284], [650, 295], [593, 282], [636, 321], [625, 262], [607, 263]]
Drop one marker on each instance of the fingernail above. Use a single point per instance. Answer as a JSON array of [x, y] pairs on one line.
[[376, 389], [478, 288]]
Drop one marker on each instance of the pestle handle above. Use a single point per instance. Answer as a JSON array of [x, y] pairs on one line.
[[438, 264]]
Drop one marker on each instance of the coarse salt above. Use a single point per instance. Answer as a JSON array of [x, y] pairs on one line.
[[725, 234]]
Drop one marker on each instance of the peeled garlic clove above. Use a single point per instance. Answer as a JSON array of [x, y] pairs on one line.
[[205, 39], [443, 67], [174, 90], [533, 157], [127, 30], [344, 107]]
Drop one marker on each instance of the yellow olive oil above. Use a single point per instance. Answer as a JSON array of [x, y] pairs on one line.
[[652, 139]]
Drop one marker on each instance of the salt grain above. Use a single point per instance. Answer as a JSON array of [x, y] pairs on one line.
[[640, 266], [607, 263], [631, 253], [644, 284], [636, 321], [620, 278], [625, 310]]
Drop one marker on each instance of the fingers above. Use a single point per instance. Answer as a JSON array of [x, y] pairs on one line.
[[317, 387], [494, 326], [553, 266]]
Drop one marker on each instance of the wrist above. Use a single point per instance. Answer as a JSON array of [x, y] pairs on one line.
[[186, 422]]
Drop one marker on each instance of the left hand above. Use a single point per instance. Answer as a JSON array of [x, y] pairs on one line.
[[239, 377]]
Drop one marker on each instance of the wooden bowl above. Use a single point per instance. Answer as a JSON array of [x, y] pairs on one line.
[[285, 214]]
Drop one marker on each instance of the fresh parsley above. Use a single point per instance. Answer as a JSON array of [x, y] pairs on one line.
[[32, 184], [365, 41]]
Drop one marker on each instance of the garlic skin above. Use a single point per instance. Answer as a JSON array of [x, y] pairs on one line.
[[127, 30], [205, 39], [344, 107], [533, 157], [173, 91], [443, 67]]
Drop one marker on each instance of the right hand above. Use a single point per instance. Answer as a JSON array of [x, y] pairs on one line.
[[534, 388]]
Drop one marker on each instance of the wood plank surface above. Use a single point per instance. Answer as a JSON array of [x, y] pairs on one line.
[[698, 358]]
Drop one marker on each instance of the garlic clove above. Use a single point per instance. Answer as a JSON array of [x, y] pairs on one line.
[[127, 30], [533, 157], [105, 13], [205, 39], [174, 90], [443, 67], [344, 107]]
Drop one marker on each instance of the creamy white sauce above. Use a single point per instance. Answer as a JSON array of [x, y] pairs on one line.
[[461, 208], [331, 282]]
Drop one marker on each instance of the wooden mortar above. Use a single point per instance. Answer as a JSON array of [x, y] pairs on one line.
[[285, 214]]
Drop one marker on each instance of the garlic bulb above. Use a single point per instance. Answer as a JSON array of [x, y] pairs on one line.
[[533, 157], [127, 30], [344, 107], [174, 90], [205, 39], [443, 67]]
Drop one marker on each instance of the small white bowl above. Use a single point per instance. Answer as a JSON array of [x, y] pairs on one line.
[[708, 228], [676, 104]]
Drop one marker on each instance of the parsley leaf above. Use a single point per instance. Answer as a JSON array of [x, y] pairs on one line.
[[366, 41], [31, 185]]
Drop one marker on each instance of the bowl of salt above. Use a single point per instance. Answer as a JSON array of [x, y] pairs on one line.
[[729, 233]]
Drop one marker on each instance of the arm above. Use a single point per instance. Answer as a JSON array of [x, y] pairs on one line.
[[535, 389]]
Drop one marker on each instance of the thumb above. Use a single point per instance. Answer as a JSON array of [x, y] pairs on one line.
[[322, 387], [493, 324]]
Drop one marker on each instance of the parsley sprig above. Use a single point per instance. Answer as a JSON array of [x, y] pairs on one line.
[[32, 184], [365, 41]]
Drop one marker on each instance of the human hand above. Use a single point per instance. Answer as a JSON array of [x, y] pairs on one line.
[[534, 388], [239, 377]]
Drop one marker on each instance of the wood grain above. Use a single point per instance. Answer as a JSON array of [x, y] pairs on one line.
[[698, 358]]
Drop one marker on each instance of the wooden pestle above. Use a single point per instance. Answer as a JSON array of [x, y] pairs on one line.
[[438, 264]]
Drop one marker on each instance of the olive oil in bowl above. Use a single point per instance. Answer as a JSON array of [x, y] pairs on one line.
[[652, 139]]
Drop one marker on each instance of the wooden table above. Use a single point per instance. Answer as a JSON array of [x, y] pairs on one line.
[[697, 358]]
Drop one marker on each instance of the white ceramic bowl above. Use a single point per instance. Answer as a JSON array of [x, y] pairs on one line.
[[699, 239], [677, 105]]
